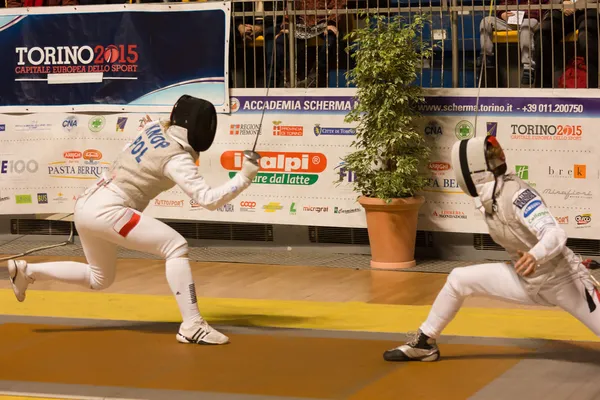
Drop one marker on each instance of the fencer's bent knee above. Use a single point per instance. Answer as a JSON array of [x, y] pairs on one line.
[[99, 280], [457, 282], [177, 248]]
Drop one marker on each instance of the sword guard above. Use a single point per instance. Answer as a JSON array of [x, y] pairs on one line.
[[252, 156]]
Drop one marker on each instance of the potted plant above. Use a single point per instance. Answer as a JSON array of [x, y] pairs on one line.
[[390, 151]]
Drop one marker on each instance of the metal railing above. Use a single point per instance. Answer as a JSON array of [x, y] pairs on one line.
[[302, 43]]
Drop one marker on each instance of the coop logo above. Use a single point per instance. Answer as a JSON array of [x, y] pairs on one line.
[[77, 59], [563, 220], [315, 209], [42, 198], [69, 123], [121, 122], [582, 220], [280, 168], [340, 210], [577, 172], [546, 132], [247, 206], [272, 207], [168, 203], [79, 165], [226, 208], [320, 131], [18, 167], [287, 130], [244, 129], [450, 214], [344, 173], [433, 130]]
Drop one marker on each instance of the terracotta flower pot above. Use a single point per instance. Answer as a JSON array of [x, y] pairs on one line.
[[392, 230]]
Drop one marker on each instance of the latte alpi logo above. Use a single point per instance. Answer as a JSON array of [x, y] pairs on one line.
[[280, 168]]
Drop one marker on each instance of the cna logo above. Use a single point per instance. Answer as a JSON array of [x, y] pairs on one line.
[[248, 206], [577, 172], [562, 220], [445, 214], [433, 130], [318, 130], [492, 128], [244, 129], [315, 209], [582, 220], [79, 165], [69, 123], [272, 207], [168, 203], [77, 59], [280, 168], [121, 122], [546, 132], [287, 130]]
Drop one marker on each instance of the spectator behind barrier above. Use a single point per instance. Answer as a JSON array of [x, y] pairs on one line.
[[510, 20], [251, 21], [308, 27], [551, 35], [40, 3]]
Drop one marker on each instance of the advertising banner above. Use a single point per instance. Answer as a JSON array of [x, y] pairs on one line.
[[47, 159], [121, 58]]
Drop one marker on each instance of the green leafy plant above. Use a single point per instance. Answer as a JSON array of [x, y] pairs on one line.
[[390, 152]]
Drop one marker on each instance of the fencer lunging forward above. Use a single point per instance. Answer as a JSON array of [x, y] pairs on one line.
[[543, 271], [109, 213]]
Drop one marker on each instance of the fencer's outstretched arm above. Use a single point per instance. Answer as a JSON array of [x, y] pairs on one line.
[[183, 171], [536, 217]]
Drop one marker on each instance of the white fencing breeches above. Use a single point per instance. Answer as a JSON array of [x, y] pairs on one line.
[[499, 280], [104, 222]]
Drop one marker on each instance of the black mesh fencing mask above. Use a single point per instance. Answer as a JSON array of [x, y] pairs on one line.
[[199, 117]]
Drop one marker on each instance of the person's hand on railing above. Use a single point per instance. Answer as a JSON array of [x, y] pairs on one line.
[[570, 10], [333, 29]]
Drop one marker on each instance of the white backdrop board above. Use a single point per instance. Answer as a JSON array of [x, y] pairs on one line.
[[549, 137]]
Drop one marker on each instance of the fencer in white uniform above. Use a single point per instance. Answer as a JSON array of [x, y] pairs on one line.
[[543, 270], [110, 212]]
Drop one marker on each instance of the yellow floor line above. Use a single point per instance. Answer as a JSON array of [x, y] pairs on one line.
[[351, 316]]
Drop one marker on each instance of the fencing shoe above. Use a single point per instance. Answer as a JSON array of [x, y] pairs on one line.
[[201, 333], [420, 348], [18, 277]]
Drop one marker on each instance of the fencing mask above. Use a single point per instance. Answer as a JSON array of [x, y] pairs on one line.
[[199, 117], [477, 161]]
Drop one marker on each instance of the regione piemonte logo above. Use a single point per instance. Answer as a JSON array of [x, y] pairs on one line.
[[280, 168]]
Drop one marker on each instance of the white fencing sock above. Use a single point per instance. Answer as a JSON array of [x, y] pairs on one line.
[[65, 271], [181, 282]]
